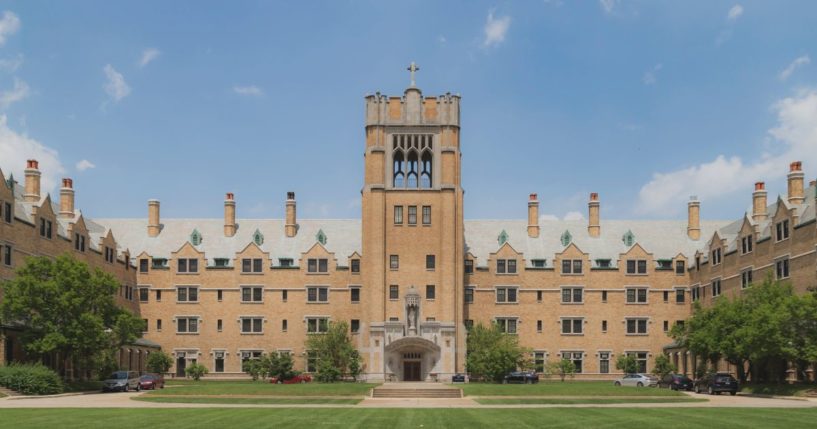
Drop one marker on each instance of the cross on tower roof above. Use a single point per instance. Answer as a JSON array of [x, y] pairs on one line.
[[413, 68]]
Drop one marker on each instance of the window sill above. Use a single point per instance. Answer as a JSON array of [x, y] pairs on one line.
[[187, 333], [570, 303], [178, 273], [317, 302], [248, 273], [637, 335], [506, 303], [317, 273], [572, 274], [249, 302], [507, 274], [186, 302], [637, 303], [636, 274], [572, 335]]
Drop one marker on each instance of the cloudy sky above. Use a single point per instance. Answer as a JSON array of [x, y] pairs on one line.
[[644, 102]]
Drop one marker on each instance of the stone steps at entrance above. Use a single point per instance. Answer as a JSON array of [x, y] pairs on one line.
[[435, 392]]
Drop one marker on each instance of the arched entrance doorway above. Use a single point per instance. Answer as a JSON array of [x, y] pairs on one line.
[[412, 359]]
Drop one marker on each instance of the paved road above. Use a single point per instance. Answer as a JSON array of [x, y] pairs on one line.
[[123, 400]]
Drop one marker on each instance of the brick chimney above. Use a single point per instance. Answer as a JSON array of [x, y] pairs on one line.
[[759, 202], [67, 198], [32, 190], [229, 215], [796, 195], [694, 218], [593, 208], [291, 225], [533, 216], [154, 225]]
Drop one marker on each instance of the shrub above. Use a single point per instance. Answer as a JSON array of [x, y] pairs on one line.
[[663, 366], [196, 371], [563, 368], [30, 379], [627, 364], [255, 368], [159, 362]]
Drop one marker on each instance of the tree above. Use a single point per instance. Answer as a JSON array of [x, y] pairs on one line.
[[491, 353], [196, 371], [334, 351], [627, 364], [563, 368], [279, 365], [663, 366], [64, 307], [159, 362], [256, 368]]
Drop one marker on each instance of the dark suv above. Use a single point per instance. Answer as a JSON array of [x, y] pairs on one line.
[[676, 382], [714, 384], [521, 377]]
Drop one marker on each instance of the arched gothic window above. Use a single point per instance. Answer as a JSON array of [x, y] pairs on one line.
[[425, 176], [411, 177], [412, 160], [399, 167]]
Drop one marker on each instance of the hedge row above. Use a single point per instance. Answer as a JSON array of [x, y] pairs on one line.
[[30, 379]]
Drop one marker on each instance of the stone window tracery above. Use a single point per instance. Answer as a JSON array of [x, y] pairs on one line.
[[412, 161]]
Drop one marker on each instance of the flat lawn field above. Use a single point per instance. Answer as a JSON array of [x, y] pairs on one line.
[[194, 418], [242, 387], [779, 389], [557, 388], [588, 400], [263, 400]]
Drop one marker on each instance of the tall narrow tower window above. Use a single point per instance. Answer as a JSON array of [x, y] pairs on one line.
[[412, 161], [425, 176], [411, 178]]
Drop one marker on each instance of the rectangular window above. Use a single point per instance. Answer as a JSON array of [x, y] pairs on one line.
[[252, 325], [782, 269], [469, 266], [666, 296], [572, 295], [680, 269], [431, 292], [538, 263], [187, 325], [286, 262], [158, 324], [354, 326], [143, 265], [219, 325], [746, 278], [782, 230], [317, 294], [680, 296], [220, 295], [636, 326], [576, 358], [190, 265], [317, 325], [7, 252], [603, 326], [539, 326], [158, 296], [469, 295], [394, 262], [252, 293], [604, 362], [696, 293], [716, 287], [254, 265], [506, 266], [573, 326], [284, 325], [571, 266], [469, 323], [187, 294], [430, 262], [426, 215], [716, 256], [110, 255], [539, 295], [45, 228], [79, 242], [641, 360], [539, 361], [666, 326], [317, 265], [311, 362], [143, 294], [511, 266], [746, 244], [507, 324], [636, 295], [506, 294], [398, 215], [394, 292], [604, 296], [159, 263], [636, 266], [355, 294], [412, 215], [355, 266], [7, 213], [284, 294]]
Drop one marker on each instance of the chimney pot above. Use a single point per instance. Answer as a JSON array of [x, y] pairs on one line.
[[594, 196], [230, 196], [67, 183], [290, 195], [796, 166], [759, 186], [533, 197], [33, 164]]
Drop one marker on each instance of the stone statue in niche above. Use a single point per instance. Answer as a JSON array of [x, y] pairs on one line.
[[412, 310]]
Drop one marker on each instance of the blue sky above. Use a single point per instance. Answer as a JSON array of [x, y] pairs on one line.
[[645, 102]]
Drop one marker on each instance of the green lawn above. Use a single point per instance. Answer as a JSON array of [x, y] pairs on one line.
[[195, 418], [779, 389], [576, 401], [557, 388], [242, 387], [259, 400]]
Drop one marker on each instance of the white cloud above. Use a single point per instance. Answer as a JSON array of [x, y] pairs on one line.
[[735, 12], [495, 30], [115, 87], [249, 91], [442, 39], [85, 165], [16, 148], [793, 138], [19, 92], [548, 218], [797, 63], [650, 75], [11, 65], [9, 24], [148, 55], [574, 216], [608, 5]]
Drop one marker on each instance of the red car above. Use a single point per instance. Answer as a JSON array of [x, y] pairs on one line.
[[152, 381], [300, 378]]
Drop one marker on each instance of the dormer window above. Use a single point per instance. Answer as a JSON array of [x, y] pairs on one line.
[[252, 265], [538, 263], [355, 266], [782, 230], [143, 265], [46, 227], [79, 242], [110, 255], [746, 244], [716, 256], [603, 263], [221, 262], [7, 212], [188, 265], [285, 262], [636, 266], [317, 265], [159, 263]]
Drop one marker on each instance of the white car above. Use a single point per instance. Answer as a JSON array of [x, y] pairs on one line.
[[637, 380]]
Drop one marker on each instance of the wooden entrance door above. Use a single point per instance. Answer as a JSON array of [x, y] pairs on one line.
[[411, 371], [181, 364]]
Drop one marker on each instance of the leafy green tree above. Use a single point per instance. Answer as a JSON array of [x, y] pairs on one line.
[[663, 366], [64, 307], [256, 368], [279, 365], [159, 362], [196, 371], [563, 368], [335, 352], [627, 364], [491, 353]]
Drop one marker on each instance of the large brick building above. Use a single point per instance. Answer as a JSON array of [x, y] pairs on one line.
[[412, 274]]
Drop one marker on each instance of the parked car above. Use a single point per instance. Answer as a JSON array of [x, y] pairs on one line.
[[716, 383], [122, 381], [458, 378], [527, 377], [299, 378], [676, 382], [152, 381], [637, 380]]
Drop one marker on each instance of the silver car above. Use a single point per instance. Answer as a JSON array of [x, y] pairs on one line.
[[637, 380], [122, 381]]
